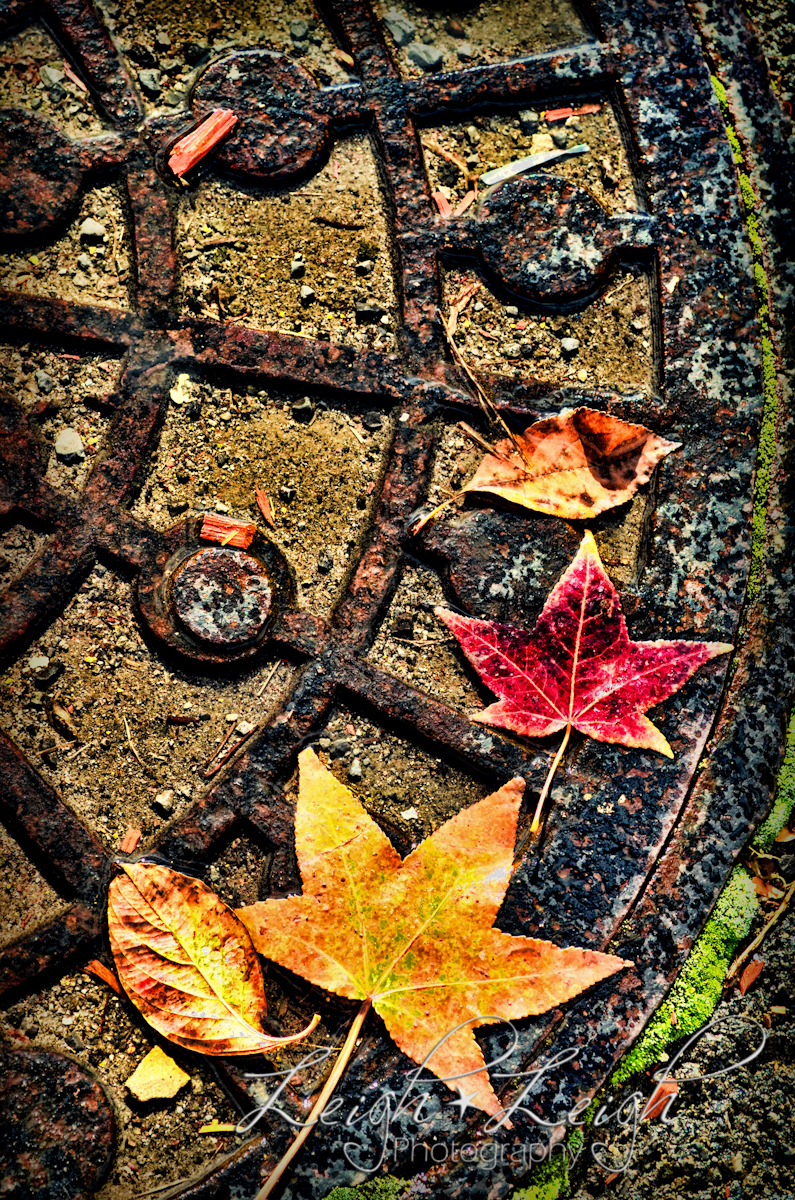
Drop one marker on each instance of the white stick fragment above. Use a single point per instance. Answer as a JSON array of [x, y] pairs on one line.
[[530, 162]]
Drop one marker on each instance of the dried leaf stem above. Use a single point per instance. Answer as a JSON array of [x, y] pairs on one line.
[[342, 1061], [130, 743], [738, 962], [485, 401], [536, 825]]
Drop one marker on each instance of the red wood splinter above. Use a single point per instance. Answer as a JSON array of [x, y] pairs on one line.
[[199, 142]]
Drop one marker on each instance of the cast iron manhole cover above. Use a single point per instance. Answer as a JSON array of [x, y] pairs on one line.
[[637, 848]]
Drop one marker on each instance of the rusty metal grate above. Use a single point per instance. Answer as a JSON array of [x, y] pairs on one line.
[[543, 243]]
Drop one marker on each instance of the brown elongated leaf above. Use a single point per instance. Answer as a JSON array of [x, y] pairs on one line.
[[574, 465], [415, 936], [187, 963]]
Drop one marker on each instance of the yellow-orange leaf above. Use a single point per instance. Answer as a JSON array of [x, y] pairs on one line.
[[415, 936], [575, 465], [187, 963]]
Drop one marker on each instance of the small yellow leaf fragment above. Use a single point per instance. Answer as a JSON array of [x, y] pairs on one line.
[[157, 1077], [218, 1127]]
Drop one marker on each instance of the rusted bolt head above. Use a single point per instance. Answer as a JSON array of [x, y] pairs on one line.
[[222, 596]]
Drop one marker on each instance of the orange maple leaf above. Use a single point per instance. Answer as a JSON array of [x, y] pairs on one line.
[[415, 936]]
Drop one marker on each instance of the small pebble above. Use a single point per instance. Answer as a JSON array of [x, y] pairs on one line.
[[69, 447], [303, 409], [297, 268], [465, 51], [372, 420], [38, 662], [355, 770], [512, 350], [401, 28], [324, 562], [50, 76], [299, 30], [162, 40], [541, 143], [232, 718], [529, 120], [365, 267], [164, 801], [149, 80], [84, 262], [307, 294], [511, 310], [44, 382], [245, 727], [454, 27], [560, 138], [569, 346], [338, 748], [368, 312], [142, 55], [91, 230], [428, 58]]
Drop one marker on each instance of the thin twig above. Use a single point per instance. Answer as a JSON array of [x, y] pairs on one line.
[[485, 401], [481, 441], [218, 749], [332, 1081], [79, 750], [271, 674], [417, 642], [335, 224], [232, 750], [130, 743], [423, 521], [738, 962]]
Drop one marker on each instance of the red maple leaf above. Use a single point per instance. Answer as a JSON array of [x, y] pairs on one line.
[[578, 668]]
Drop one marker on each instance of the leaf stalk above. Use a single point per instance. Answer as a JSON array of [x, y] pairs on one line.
[[339, 1066], [548, 781]]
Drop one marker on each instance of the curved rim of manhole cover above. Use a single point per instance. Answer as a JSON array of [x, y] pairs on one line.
[[58, 1127]]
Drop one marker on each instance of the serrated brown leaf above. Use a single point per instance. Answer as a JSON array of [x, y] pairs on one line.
[[187, 963], [416, 936], [574, 465]]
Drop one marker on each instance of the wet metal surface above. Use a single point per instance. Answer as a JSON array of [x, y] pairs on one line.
[[222, 596], [624, 822], [58, 1128]]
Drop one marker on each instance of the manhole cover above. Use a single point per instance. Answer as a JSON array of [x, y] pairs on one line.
[[284, 319]]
